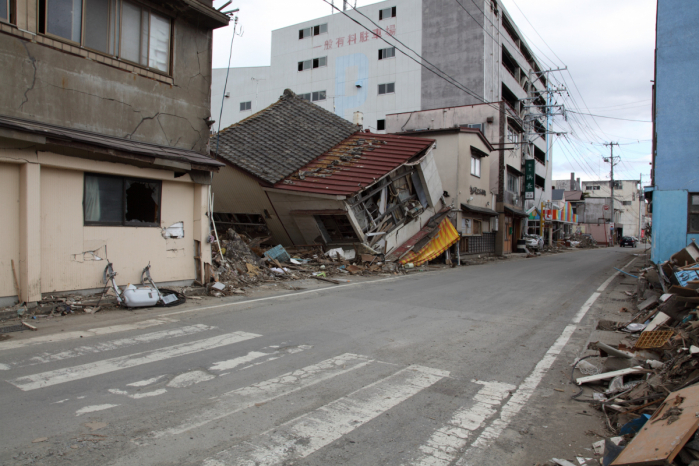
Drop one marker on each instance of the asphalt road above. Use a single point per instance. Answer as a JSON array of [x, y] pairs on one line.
[[426, 369]]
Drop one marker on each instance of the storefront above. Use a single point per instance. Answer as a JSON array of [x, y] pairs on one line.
[[478, 227]]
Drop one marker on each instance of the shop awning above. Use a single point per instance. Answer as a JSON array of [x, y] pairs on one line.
[[445, 237], [479, 210], [515, 212]]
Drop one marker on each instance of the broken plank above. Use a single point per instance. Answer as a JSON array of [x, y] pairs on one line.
[[329, 280], [29, 326], [660, 319], [609, 375]]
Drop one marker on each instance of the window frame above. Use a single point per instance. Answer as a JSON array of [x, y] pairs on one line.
[[514, 139], [382, 53], [393, 13], [314, 63], [247, 104], [11, 13], [475, 163], [386, 88], [515, 178], [124, 222], [117, 46], [318, 93], [381, 123], [690, 212], [312, 31]]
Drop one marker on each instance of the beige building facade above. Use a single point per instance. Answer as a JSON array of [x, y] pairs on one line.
[[101, 148]]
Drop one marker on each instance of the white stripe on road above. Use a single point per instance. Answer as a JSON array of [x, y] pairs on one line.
[[444, 445], [263, 392], [137, 396], [93, 408], [306, 434], [190, 378], [121, 343], [143, 383], [233, 363], [69, 374], [12, 344], [526, 389]]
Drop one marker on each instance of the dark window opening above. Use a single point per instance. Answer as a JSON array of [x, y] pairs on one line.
[[7, 11], [539, 128], [380, 125], [112, 200], [387, 53], [336, 228], [387, 13], [245, 105], [318, 95], [313, 31], [510, 98], [693, 221], [539, 182], [306, 96], [539, 155], [510, 63]]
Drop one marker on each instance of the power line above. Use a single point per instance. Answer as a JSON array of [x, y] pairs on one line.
[[611, 118]]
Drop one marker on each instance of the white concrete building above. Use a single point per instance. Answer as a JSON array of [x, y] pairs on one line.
[[628, 205]]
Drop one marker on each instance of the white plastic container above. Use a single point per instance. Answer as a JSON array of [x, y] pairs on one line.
[[139, 297]]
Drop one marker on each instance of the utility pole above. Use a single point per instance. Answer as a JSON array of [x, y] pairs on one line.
[[640, 204], [612, 161]]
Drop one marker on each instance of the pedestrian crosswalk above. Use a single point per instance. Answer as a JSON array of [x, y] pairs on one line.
[[373, 388]]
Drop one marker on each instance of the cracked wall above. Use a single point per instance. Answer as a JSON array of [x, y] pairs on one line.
[[55, 87]]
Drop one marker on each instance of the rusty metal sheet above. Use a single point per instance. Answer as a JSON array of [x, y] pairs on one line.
[[662, 437]]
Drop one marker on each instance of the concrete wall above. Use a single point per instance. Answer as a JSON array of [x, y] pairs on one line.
[[236, 192], [676, 164], [58, 82], [45, 204]]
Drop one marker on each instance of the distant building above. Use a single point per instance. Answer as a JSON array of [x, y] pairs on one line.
[[628, 205], [343, 67], [675, 174]]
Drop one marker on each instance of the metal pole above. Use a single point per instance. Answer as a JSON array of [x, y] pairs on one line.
[[640, 203]]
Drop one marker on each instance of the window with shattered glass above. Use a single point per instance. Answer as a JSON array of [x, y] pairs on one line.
[[120, 201]]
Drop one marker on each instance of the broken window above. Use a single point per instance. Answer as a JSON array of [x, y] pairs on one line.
[[113, 200], [693, 221], [123, 29], [387, 13], [253, 225], [388, 88], [245, 105], [336, 228], [387, 53]]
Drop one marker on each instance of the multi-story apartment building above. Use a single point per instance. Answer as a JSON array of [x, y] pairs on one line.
[[469, 62], [628, 205], [104, 142]]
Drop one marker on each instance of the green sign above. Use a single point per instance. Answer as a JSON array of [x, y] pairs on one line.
[[529, 179]]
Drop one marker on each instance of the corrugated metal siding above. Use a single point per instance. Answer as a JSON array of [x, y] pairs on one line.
[[357, 162], [237, 192], [9, 227]]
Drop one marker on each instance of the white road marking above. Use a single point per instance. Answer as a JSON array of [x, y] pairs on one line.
[[4, 367], [143, 383], [69, 374], [526, 389], [121, 343], [93, 408], [263, 392], [62, 401], [444, 445], [137, 396], [189, 378], [310, 432], [233, 363], [12, 344]]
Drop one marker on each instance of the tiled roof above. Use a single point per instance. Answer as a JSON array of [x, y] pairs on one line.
[[357, 162], [275, 142]]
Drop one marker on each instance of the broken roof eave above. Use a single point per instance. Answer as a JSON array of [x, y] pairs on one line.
[[212, 17]]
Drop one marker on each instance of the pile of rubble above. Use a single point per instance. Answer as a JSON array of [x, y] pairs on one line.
[[242, 263], [647, 386]]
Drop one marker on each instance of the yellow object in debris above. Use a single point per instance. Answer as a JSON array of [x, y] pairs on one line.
[[445, 237]]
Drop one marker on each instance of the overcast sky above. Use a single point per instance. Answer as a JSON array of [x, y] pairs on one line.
[[606, 45]]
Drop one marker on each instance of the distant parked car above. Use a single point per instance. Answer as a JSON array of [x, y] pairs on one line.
[[628, 241], [534, 242]]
